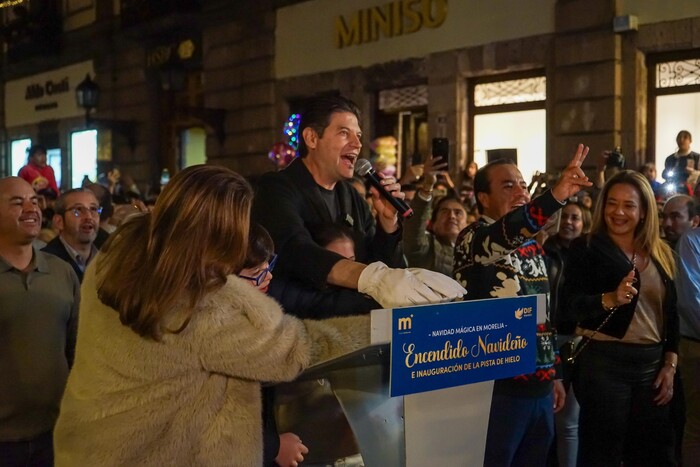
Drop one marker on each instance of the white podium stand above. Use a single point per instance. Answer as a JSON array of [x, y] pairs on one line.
[[443, 427], [342, 408]]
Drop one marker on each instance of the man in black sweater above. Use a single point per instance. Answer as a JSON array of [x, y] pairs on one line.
[[496, 257]]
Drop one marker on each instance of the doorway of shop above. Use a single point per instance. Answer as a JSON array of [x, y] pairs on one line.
[[410, 128], [402, 114], [509, 120], [521, 136], [674, 104], [674, 113], [193, 146], [83, 161]]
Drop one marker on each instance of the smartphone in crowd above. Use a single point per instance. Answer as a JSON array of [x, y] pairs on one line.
[[441, 148], [417, 158]]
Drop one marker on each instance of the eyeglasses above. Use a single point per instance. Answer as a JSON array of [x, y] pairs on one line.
[[260, 278], [92, 211]]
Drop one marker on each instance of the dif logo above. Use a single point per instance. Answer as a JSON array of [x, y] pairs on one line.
[[523, 311], [405, 324]]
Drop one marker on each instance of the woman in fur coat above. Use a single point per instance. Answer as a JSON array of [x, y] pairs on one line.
[[172, 345]]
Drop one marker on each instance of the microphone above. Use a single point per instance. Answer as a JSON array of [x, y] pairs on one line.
[[363, 168]]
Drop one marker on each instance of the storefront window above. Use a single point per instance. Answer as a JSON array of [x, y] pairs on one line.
[[402, 113], [83, 157], [19, 149], [520, 136], [53, 158], [678, 73], [512, 91], [509, 121], [19, 154], [193, 147], [677, 104]]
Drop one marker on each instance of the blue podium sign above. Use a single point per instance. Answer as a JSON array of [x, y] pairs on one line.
[[451, 344]]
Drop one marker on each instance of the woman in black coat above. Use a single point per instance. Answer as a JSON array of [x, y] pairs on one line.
[[620, 287]]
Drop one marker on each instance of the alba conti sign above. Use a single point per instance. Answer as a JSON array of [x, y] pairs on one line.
[[45, 96], [441, 346], [49, 88], [389, 20]]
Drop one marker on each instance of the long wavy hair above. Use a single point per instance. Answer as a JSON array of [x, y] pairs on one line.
[[646, 235], [195, 237]]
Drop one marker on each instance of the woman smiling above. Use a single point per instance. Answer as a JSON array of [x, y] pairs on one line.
[[620, 287]]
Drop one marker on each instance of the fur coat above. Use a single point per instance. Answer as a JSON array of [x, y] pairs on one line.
[[193, 398]]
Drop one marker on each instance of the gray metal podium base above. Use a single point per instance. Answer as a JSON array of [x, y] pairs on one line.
[[342, 411]]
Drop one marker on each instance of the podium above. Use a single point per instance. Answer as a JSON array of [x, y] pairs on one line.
[[343, 411], [342, 408]]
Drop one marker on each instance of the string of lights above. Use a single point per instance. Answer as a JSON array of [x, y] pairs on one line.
[[9, 3]]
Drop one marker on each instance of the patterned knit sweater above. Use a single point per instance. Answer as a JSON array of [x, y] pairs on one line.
[[495, 259]]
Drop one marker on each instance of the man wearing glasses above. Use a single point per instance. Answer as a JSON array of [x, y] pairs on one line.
[[77, 219]]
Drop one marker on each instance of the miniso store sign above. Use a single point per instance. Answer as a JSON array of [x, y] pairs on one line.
[[326, 35], [357, 33], [388, 20], [45, 96]]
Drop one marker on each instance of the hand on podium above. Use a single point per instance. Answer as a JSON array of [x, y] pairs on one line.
[[393, 288], [292, 450]]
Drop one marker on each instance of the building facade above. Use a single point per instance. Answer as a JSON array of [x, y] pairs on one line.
[[188, 81]]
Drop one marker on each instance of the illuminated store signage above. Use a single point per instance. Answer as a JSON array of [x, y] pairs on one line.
[[392, 19], [45, 96], [48, 88]]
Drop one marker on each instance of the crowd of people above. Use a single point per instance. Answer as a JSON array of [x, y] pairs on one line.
[[187, 306], [618, 342]]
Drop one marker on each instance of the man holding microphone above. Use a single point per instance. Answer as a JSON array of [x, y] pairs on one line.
[[314, 190]]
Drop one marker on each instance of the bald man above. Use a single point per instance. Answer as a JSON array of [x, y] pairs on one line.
[[39, 294]]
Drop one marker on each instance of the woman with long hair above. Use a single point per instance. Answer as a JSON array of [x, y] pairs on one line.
[[172, 345], [619, 284], [574, 221]]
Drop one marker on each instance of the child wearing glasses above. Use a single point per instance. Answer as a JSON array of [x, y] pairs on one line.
[[257, 268], [261, 258]]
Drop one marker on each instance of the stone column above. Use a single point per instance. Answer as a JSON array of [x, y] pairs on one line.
[[447, 105], [587, 90], [238, 73]]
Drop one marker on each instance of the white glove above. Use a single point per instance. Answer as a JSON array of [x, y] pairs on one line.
[[440, 283], [393, 288]]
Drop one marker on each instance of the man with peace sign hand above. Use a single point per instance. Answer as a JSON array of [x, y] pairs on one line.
[[497, 257]]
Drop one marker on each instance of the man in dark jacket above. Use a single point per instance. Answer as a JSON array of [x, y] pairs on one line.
[[77, 218], [313, 190]]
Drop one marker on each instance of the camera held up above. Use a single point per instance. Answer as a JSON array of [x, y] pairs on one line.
[[615, 159]]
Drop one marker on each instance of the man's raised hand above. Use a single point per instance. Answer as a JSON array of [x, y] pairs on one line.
[[572, 179]]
